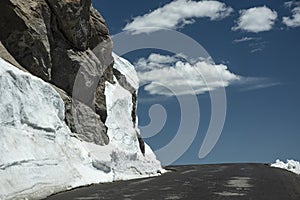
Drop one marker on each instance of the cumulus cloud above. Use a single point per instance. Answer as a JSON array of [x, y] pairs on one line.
[[176, 14], [256, 19], [182, 77], [294, 20]]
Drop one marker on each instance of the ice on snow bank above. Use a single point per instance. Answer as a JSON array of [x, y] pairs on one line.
[[290, 165], [38, 156]]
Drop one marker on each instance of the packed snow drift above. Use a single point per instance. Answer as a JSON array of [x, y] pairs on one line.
[[39, 156], [290, 165]]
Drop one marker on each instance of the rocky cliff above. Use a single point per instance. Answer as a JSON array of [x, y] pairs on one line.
[[65, 43]]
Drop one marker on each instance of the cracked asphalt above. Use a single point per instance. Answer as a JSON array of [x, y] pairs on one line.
[[217, 182]]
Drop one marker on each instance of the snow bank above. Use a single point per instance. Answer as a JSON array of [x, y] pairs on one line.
[[290, 165], [123, 136], [39, 157], [122, 131]]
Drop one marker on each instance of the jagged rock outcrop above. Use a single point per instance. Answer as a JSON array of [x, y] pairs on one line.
[[67, 44]]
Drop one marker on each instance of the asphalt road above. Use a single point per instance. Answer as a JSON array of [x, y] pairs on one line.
[[226, 181]]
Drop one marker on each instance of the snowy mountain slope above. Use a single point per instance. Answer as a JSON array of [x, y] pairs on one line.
[[39, 157]]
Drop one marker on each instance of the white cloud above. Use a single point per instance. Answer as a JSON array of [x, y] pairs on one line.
[[256, 19], [257, 46], [161, 58], [256, 50], [246, 39], [290, 4], [254, 83], [181, 77], [177, 14], [294, 20]]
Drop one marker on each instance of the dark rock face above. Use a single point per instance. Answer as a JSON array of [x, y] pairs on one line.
[[24, 32], [67, 43], [92, 130], [73, 21], [53, 39], [9, 58]]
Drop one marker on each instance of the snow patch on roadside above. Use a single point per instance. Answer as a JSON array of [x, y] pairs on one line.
[[290, 165]]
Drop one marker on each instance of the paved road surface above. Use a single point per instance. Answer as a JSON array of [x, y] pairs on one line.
[[225, 182]]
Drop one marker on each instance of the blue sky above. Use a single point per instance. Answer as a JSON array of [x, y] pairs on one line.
[[257, 41]]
